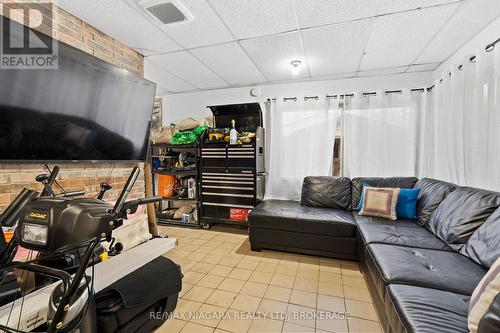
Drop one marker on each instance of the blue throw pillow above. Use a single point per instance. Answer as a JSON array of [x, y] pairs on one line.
[[407, 202], [360, 203]]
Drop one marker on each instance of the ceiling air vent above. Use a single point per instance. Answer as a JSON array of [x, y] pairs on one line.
[[167, 11]]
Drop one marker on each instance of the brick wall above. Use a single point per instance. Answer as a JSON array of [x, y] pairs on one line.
[[72, 177], [77, 33], [76, 176]]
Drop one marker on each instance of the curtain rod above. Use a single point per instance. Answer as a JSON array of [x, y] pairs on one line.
[[387, 92], [371, 93]]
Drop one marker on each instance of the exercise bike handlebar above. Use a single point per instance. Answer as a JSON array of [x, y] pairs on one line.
[[117, 209], [50, 181], [70, 194], [131, 206], [12, 212]]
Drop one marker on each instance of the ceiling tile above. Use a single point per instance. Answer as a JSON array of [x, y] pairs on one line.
[[336, 49], [397, 39], [384, 71], [160, 91], [205, 29], [337, 76], [163, 79], [230, 62], [469, 20], [247, 19], [392, 6], [273, 55], [427, 3], [311, 13], [183, 65], [423, 67], [122, 22]]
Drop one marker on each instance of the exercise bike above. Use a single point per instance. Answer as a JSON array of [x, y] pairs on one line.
[[55, 225]]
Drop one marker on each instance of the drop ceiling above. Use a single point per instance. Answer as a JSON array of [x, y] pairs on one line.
[[232, 43]]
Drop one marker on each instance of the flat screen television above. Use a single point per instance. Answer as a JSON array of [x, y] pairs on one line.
[[86, 110]]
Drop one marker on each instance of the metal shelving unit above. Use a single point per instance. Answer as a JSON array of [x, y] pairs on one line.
[[170, 151], [181, 173]]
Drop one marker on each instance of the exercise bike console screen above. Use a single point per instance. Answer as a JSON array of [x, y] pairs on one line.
[[85, 110]]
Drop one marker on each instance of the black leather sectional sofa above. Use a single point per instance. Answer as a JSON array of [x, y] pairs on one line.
[[420, 273]]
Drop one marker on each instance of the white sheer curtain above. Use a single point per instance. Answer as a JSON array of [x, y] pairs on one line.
[[450, 133], [300, 137], [380, 133], [460, 124]]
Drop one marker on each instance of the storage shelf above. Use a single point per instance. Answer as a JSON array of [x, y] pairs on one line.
[[165, 151], [165, 156], [178, 172], [163, 221], [172, 146]]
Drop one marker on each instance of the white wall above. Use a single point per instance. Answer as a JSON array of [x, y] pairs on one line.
[[471, 48], [179, 106]]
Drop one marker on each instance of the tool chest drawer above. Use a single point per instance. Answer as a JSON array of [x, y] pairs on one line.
[[229, 198], [238, 179], [229, 156], [214, 157], [241, 157], [228, 187], [226, 212]]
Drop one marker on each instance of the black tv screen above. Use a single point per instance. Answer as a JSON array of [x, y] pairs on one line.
[[86, 110]]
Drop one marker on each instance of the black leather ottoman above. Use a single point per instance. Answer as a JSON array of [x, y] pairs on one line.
[[321, 224], [288, 226]]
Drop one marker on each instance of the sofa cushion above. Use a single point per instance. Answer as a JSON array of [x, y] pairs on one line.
[[327, 221], [403, 234], [432, 192], [424, 310], [461, 213], [330, 192], [484, 245], [275, 214], [443, 270], [357, 185]]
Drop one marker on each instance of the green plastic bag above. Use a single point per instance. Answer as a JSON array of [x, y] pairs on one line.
[[184, 137], [199, 130]]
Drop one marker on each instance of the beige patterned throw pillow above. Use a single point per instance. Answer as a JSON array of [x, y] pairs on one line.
[[482, 302], [380, 202]]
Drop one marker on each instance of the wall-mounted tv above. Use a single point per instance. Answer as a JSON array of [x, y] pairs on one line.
[[86, 110]]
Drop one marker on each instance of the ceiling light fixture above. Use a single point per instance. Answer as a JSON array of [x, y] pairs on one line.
[[296, 66]]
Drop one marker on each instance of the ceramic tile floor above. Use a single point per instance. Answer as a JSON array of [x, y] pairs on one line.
[[229, 288]]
